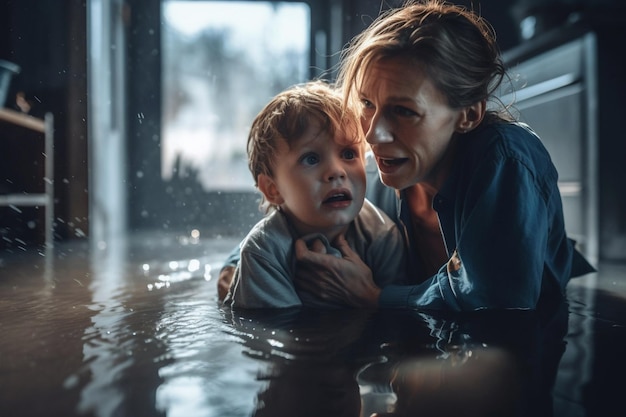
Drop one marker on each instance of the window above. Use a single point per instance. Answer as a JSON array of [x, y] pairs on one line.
[[190, 76], [222, 62]]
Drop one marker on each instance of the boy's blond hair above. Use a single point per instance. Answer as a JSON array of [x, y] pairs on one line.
[[288, 116]]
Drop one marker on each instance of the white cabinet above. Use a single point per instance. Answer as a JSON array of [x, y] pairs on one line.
[[45, 198]]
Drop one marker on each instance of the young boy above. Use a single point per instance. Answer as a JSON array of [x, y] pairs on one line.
[[307, 157]]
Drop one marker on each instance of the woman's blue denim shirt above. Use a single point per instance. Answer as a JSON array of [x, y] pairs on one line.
[[501, 216]]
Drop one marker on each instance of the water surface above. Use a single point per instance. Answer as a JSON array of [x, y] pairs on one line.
[[133, 328]]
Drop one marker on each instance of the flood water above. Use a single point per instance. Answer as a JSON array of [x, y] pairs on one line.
[[133, 328]]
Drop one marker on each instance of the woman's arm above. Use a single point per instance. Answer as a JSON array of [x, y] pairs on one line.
[[499, 231], [225, 277]]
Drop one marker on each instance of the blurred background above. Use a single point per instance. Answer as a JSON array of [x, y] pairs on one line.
[[151, 102]]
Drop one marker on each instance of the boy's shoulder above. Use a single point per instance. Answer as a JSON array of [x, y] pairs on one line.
[[269, 234]]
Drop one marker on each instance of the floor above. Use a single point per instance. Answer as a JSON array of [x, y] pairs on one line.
[[133, 328]]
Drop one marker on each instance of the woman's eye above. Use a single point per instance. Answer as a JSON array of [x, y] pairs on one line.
[[403, 111], [309, 159]]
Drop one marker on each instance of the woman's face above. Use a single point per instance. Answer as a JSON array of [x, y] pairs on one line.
[[408, 123]]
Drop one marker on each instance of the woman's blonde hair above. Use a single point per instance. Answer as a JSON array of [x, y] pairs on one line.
[[456, 48]]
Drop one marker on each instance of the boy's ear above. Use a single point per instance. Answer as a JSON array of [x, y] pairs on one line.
[[269, 189], [471, 116]]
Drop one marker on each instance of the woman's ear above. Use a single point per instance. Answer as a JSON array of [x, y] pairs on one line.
[[269, 189], [471, 116]]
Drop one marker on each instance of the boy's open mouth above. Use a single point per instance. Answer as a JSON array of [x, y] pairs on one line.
[[337, 196]]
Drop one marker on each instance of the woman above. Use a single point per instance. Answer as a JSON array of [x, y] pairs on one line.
[[475, 192]]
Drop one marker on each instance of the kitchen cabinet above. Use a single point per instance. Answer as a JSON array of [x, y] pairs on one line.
[[569, 86], [42, 193]]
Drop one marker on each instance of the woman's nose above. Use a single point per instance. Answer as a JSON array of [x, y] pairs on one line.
[[377, 131]]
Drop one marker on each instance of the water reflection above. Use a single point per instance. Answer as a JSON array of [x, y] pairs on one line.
[[134, 329], [310, 363], [404, 363], [112, 343]]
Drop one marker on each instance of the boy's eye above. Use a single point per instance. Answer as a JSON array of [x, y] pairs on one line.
[[350, 154], [309, 159]]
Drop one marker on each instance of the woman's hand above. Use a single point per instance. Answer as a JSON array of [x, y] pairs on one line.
[[224, 280], [346, 280]]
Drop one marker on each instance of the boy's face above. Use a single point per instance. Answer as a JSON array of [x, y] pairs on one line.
[[319, 181]]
